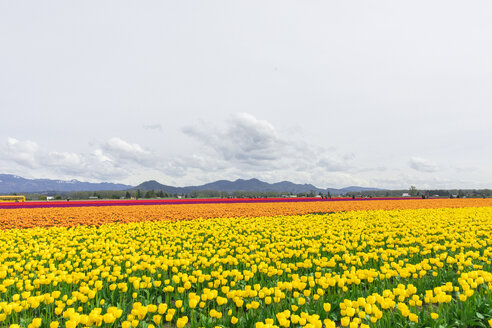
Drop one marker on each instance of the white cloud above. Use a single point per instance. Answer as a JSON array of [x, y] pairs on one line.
[[22, 152], [65, 158], [249, 147], [245, 140], [99, 155], [423, 165], [123, 148], [253, 144], [121, 153], [239, 147], [116, 161]]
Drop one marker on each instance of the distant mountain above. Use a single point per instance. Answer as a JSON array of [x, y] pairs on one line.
[[15, 184], [251, 185], [257, 185], [154, 185]]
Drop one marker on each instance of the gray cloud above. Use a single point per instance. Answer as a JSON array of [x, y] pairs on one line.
[[349, 156], [376, 169], [466, 169], [403, 180], [333, 165], [156, 127], [423, 165]]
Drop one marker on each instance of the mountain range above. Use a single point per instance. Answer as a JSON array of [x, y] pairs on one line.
[[252, 185], [15, 184]]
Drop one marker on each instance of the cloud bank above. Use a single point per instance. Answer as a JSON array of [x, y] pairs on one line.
[[241, 146], [113, 159], [257, 149]]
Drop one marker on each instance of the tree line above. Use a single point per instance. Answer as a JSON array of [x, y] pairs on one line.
[[160, 194]]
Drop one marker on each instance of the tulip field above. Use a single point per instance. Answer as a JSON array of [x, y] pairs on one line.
[[381, 263]]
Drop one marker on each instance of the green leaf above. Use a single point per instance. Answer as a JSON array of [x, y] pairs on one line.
[[479, 316], [475, 323]]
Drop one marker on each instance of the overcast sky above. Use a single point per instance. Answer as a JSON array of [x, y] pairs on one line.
[[335, 93]]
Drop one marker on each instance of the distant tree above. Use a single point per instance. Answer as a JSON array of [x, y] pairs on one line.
[[128, 195], [58, 197], [271, 194], [413, 191], [150, 194], [139, 194]]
